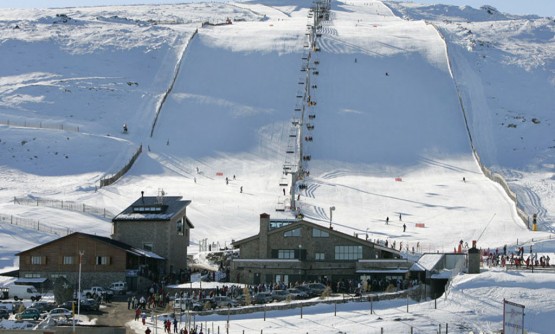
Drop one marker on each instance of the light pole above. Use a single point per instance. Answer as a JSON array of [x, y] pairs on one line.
[[81, 253], [332, 208]]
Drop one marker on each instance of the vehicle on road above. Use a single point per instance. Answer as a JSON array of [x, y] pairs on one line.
[[30, 313]]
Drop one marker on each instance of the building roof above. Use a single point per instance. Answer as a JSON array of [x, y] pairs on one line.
[[117, 244], [154, 208], [295, 225], [429, 261]]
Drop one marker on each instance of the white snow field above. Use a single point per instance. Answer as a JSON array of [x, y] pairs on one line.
[[389, 137]]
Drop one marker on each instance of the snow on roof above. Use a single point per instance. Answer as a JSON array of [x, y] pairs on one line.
[[429, 261]]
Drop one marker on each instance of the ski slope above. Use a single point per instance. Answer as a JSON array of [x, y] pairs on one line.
[[210, 102]]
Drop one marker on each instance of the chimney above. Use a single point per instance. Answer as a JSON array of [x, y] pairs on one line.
[[263, 236], [143, 196]]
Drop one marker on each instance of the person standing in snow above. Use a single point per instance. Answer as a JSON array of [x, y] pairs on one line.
[[241, 190], [400, 219], [387, 220], [404, 227]]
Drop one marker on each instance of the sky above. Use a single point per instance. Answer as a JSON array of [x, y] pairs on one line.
[[537, 7], [389, 136]]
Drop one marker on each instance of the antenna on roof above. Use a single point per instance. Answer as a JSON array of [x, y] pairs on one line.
[[160, 197]]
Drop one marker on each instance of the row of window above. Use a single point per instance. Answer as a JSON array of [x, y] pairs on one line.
[[341, 253], [41, 260], [316, 233]]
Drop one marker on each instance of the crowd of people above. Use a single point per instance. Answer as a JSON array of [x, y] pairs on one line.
[[517, 258]]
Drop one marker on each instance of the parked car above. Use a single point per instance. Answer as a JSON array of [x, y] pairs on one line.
[[4, 314], [98, 291], [183, 304], [89, 305], [316, 288], [241, 299], [280, 295], [60, 312], [30, 313], [209, 303], [119, 288], [8, 306], [304, 288], [225, 301], [297, 294], [262, 298], [20, 292], [43, 306], [69, 305]]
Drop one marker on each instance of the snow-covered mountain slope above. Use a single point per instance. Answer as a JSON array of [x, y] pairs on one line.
[[389, 135], [491, 54]]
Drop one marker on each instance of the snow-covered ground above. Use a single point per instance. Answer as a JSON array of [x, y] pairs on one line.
[[389, 134]]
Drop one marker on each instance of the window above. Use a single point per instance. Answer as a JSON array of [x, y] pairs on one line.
[[180, 226], [293, 233], [348, 252], [319, 256], [286, 254], [102, 260], [31, 275], [317, 233], [54, 276], [148, 246], [282, 279], [69, 260], [38, 259]]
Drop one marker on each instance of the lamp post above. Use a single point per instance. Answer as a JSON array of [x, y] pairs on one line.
[[332, 208], [81, 253]]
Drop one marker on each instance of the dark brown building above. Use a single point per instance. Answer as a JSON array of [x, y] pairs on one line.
[[103, 261]]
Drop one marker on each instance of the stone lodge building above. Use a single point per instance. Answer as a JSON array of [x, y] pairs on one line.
[[296, 250], [157, 224]]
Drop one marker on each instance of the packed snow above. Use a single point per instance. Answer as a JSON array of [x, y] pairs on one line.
[[208, 101]]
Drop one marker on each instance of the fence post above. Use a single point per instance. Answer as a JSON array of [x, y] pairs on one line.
[[446, 328], [439, 329], [265, 311], [407, 303], [301, 311], [371, 305], [335, 309]]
